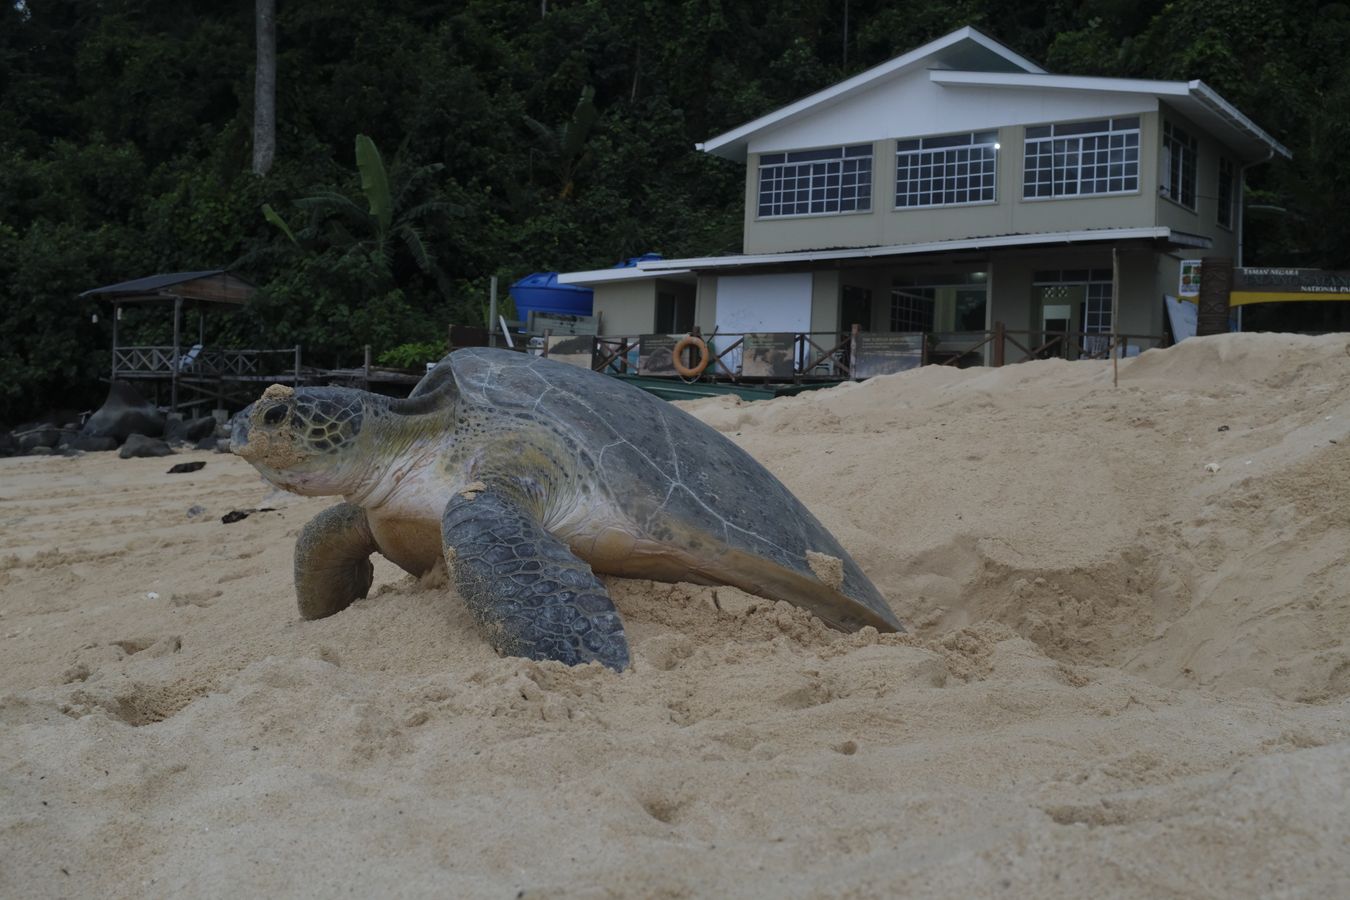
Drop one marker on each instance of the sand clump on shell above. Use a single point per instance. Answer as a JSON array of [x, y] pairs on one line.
[[1126, 676]]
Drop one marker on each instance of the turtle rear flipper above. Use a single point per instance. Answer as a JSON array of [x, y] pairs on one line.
[[332, 561], [527, 590]]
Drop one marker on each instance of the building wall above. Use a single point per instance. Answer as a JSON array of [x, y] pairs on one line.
[[1010, 214], [1204, 219], [913, 106], [825, 287], [705, 303], [627, 307]]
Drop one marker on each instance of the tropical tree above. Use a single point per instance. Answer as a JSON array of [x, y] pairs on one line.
[[265, 87], [391, 219], [565, 145]]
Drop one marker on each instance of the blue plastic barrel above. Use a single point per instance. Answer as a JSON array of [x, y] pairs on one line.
[[541, 292]]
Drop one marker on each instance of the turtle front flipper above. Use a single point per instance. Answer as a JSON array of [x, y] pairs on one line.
[[332, 561], [527, 590]]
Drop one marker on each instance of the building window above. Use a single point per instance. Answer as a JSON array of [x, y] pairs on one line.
[[946, 170], [806, 182], [1227, 191], [912, 309], [1178, 165], [1076, 159]]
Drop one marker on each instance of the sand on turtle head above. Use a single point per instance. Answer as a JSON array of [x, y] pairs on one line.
[[278, 392]]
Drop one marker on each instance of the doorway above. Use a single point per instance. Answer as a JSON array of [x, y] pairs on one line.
[[855, 308]]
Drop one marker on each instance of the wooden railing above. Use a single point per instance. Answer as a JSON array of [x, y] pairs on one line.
[[200, 362], [831, 356]]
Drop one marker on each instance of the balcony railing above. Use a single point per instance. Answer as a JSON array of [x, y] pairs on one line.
[[198, 362]]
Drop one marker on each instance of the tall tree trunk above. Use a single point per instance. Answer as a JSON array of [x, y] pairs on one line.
[[265, 88]]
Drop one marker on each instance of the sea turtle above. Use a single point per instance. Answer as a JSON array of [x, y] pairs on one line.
[[528, 476]]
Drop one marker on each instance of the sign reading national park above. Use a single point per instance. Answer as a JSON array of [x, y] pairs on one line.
[[1273, 285]]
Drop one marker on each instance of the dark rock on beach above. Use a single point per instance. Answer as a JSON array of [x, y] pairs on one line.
[[140, 445], [123, 414], [93, 443], [30, 438], [188, 431]]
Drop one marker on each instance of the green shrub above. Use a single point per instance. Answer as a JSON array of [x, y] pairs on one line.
[[412, 356]]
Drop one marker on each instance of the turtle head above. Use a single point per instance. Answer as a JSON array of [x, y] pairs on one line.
[[307, 441]]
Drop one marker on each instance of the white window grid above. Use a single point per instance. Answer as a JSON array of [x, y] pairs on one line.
[[947, 170], [816, 182], [1180, 150], [1081, 159], [1227, 191], [912, 309]]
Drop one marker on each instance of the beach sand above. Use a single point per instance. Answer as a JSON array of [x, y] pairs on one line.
[[1127, 674]]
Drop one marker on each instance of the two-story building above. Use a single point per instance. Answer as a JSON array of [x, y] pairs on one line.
[[957, 186]]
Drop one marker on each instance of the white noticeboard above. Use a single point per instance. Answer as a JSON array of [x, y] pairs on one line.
[[762, 303], [1182, 315]]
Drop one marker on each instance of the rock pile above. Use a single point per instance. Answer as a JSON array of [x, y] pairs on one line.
[[126, 422]]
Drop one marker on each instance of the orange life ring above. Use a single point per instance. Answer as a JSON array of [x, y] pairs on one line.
[[684, 344]]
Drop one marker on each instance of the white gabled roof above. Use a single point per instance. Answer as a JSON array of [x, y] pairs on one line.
[[658, 267], [1194, 99], [965, 48]]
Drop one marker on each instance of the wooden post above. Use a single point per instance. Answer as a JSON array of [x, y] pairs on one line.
[[366, 367], [177, 351], [853, 351], [548, 333], [1000, 334], [492, 313], [297, 365], [1216, 285], [1115, 317], [117, 314]]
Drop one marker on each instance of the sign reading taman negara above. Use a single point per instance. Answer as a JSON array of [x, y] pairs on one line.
[[1266, 285]]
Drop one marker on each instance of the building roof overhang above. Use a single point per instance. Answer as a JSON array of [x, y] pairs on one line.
[[1156, 235], [212, 286], [966, 48], [627, 273], [1194, 99]]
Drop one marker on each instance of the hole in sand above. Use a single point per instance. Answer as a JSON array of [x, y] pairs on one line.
[[663, 809]]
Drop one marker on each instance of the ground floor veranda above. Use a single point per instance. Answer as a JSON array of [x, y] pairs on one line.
[[990, 307]]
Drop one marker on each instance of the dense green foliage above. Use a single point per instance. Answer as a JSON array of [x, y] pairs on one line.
[[125, 133]]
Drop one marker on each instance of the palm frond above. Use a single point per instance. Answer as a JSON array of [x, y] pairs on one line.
[[374, 181]]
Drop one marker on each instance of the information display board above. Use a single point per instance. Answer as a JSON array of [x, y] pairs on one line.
[[656, 354], [769, 355], [885, 353]]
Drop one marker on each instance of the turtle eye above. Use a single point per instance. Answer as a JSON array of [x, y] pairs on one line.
[[274, 415]]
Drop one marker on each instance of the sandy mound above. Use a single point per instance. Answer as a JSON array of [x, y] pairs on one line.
[[1128, 673]]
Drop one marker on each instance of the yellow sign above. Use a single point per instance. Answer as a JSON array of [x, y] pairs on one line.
[[1270, 285]]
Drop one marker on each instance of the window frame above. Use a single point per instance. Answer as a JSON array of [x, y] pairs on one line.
[[943, 143], [808, 158], [924, 294], [1129, 128], [1174, 139]]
